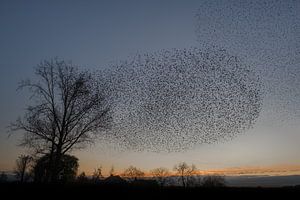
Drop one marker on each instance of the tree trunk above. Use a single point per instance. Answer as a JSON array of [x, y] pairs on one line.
[[50, 167], [22, 175], [56, 166], [183, 182]]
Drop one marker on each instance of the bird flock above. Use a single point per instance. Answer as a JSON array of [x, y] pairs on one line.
[[173, 100]]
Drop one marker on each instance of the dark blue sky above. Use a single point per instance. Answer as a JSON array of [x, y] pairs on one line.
[[96, 33]]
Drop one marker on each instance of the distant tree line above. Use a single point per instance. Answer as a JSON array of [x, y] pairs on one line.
[[35, 170]]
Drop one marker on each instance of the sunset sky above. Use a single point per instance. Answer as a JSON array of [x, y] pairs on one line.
[[95, 34]]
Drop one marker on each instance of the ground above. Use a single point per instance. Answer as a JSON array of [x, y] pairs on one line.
[[69, 191]]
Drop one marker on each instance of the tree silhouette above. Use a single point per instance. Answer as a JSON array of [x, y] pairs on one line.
[[160, 174], [97, 175], [112, 171], [185, 172], [67, 169], [22, 167], [70, 110], [133, 173]]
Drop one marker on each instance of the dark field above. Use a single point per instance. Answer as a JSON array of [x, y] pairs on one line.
[[69, 191]]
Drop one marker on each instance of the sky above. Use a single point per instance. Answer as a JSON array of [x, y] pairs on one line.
[[94, 34]]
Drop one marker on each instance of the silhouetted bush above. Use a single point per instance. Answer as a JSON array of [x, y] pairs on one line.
[[3, 178], [213, 181], [82, 178], [67, 169]]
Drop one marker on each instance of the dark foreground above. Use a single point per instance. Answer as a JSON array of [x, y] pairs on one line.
[[85, 191]]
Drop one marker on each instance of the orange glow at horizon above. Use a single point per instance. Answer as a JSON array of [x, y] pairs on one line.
[[276, 170]]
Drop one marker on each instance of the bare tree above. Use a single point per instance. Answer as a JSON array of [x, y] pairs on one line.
[[185, 172], [22, 167], [97, 174], [160, 174], [70, 110], [112, 171], [133, 173]]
